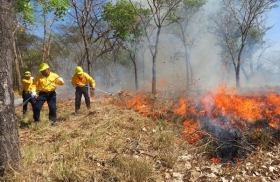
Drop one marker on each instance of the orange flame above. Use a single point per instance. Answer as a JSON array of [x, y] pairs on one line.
[[191, 132], [183, 109], [244, 109], [215, 160]]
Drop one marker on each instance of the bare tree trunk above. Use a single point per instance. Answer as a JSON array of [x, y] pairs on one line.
[[9, 141], [135, 75], [239, 64], [45, 39], [154, 90], [132, 58], [16, 62], [188, 66], [48, 49]]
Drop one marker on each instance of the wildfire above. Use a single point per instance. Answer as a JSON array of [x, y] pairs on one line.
[[222, 109], [241, 111], [246, 109], [140, 104], [191, 132]]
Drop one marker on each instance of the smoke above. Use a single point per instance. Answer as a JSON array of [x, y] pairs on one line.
[[207, 66], [204, 58], [208, 69]]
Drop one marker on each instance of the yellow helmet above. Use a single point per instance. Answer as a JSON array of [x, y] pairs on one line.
[[43, 66], [27, 73], [79, 70]]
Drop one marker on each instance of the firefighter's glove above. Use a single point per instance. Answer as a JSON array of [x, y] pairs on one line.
[[33, 94], [60, 79]]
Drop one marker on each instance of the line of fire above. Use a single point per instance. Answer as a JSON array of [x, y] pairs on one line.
[[231, 124]]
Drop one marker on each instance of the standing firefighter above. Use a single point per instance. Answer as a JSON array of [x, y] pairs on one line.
[[28, 92], [46, 85], [80, 80]]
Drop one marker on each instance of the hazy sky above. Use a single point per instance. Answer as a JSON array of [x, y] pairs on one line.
[[273, 19], [274, 33]]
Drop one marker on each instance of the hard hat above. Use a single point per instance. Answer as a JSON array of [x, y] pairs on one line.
[[43, 66], [79, 70], [27, 73]]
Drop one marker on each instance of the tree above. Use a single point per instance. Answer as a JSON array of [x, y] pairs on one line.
[[29, 50], [94, 31], [44, 12], [253, 52], [9, 141], [182, 30], [234, 25], [160, 12], [122, 19], [16, 62]]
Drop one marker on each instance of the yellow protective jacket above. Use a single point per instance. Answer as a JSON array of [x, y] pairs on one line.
[[27, 85], [82, 80], [47, 84]]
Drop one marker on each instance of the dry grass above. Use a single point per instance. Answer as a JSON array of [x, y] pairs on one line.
[[108, 143]]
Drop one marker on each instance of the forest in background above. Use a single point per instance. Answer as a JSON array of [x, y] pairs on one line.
[[142, 45], [234, 36]]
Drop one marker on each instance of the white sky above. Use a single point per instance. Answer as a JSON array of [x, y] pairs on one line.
[[274, 33]]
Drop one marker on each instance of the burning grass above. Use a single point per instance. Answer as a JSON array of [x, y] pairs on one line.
[[234, 123], [145, 138]]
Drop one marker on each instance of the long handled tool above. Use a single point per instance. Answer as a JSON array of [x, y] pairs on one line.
[[101, 90], [26, 101], [104, 91]]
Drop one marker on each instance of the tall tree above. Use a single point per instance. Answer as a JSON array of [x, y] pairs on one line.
[[187, 30], [160, 12], [234, 24], [52, 10], [253, 52], [123, 20], [42, 12], [93, 30], [9, 141], [17, 60]]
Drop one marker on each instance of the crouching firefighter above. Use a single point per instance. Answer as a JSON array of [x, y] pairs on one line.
[[28, 92], [80, 80]]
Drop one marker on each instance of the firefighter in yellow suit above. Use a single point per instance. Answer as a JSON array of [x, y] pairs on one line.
[[28, 91], [46, 85], [80, 80]]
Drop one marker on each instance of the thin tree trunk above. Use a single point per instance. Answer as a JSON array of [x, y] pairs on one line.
[[238, 65], [16, 62], [188, 67], [154, 78], [132, 57], [44, 41], [9, 141], [48, 49]]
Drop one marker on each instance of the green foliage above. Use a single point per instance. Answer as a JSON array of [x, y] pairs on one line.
[[172, 17], [194, 3], [255, 35], [122, 18], [60, 7], [24, 8], [27, 8], [185, 11]]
